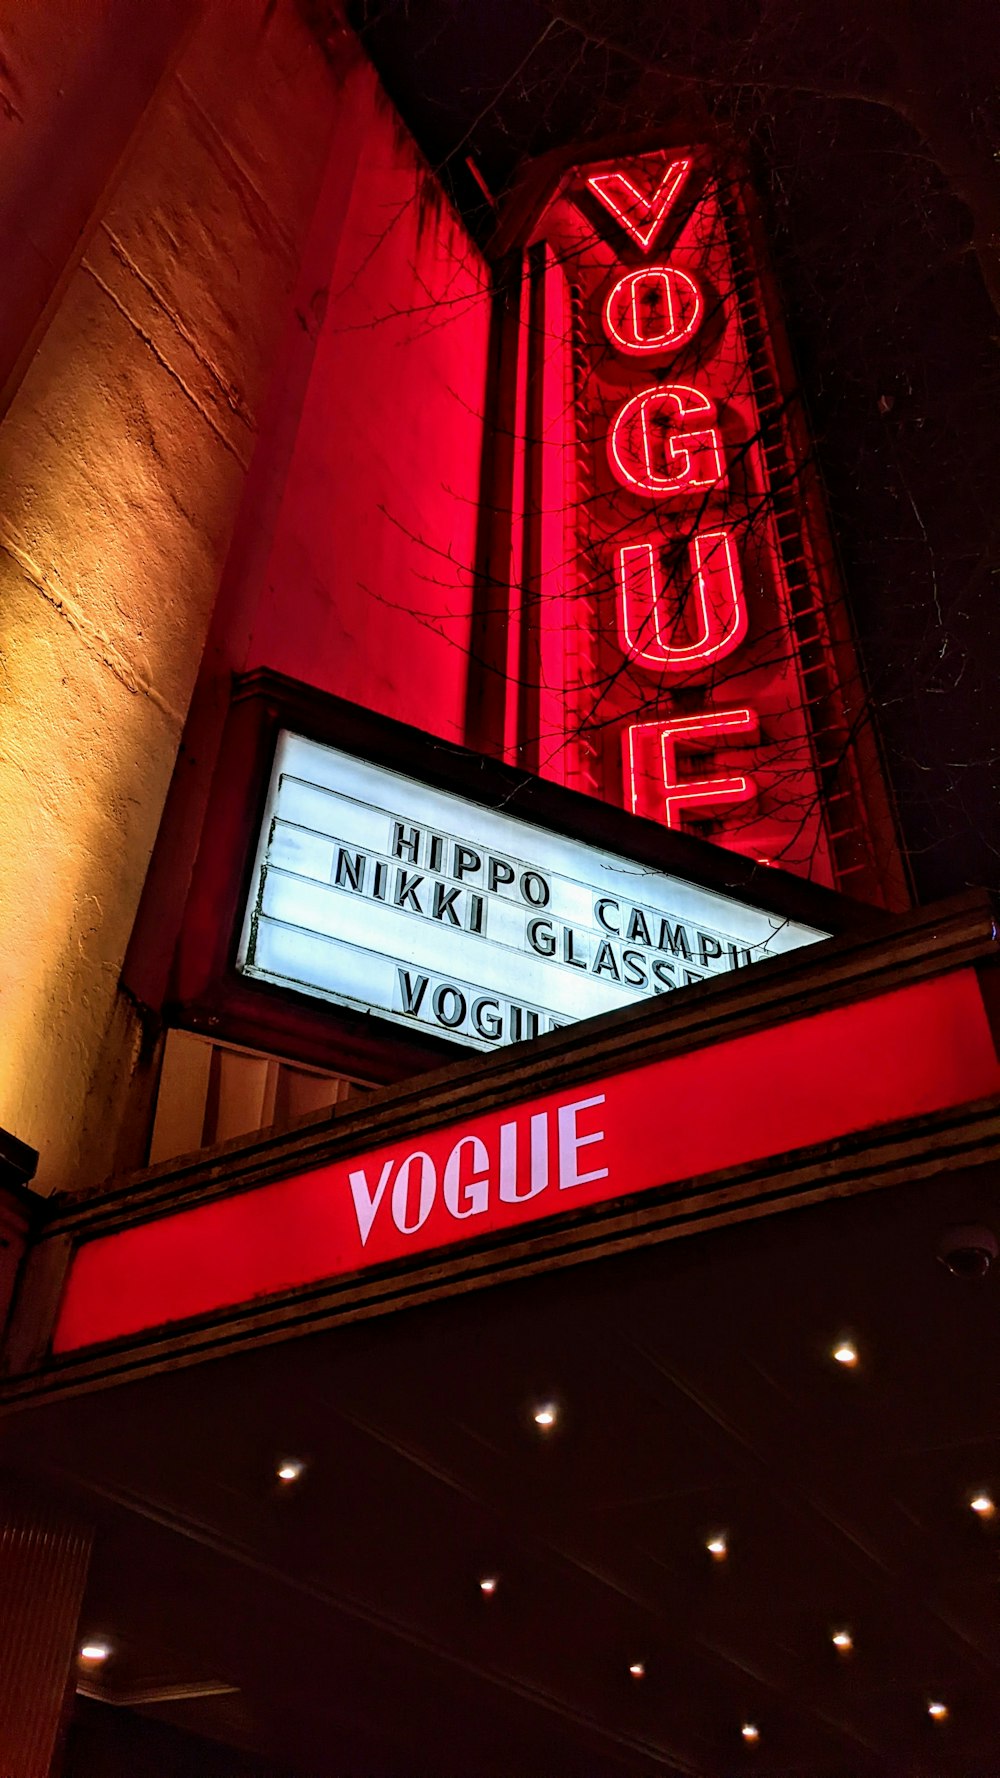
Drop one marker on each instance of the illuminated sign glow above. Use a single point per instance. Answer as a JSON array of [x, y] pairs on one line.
[[688, 732], [653, 310], [641, 214], [375, 891], [677, 569], [644, 435], [902, 1054], [720, 611]]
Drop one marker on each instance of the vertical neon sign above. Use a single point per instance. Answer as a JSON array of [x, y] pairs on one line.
[[673, 570], [666, 442]]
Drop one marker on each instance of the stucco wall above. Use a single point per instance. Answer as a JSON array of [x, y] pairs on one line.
[[245, 430], [122, 460]]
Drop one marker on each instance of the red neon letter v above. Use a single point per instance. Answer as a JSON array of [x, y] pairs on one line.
[[640, 211]]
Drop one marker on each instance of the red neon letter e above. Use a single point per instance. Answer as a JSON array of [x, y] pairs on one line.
[[674, 795]]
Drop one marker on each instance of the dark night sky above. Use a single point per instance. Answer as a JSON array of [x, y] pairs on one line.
[[895, 336]]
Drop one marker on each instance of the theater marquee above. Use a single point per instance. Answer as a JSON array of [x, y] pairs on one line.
[[376, 891]]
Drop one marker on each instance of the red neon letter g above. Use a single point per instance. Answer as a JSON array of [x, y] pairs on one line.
[[649, 457]]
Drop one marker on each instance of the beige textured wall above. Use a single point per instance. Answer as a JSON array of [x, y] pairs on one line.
[[122, 461]]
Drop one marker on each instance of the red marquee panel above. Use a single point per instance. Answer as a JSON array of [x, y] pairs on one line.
[[897, 1055]]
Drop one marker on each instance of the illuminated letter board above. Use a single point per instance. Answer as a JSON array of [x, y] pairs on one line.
[[376, 891]]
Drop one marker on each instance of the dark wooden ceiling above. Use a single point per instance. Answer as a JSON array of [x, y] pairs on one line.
[[696, 1394]]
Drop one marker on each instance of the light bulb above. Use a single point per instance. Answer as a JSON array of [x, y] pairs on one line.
[[94, 1652]]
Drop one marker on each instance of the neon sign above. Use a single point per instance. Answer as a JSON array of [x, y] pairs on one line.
[[686, 667], [681, 793], [651, 453], [652, 310], [720, 608], [641, 213], [687, 445]]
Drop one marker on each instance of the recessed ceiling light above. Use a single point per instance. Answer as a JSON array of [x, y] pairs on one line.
[[488, 1584], [546, 1415], [843, 1640], [638, 1669], [291, 1469], [94, 1652], [983, 1505], [846, 1353], [750, 1731], [938, 1711], [718, 1546]]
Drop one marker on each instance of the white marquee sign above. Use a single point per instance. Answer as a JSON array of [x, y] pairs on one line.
[[377, 892]]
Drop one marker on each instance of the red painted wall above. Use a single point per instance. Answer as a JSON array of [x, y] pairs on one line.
[[351, 567], [367, 586]]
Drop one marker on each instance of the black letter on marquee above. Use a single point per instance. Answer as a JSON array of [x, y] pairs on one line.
[[405, 845], [350, 871], [406, 890], [480, 1008], [634, 964], [604, 962], [466, 862], [412, 992], [458, 1004], [638, 931], [607, 902], [541, 937], [569, 955], [534, 888], [444, 903], [674, 939]]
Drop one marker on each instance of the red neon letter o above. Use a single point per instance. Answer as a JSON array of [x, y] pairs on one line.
[[674, 306]]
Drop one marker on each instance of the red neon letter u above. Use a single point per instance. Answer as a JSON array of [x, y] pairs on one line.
[[714, 597]]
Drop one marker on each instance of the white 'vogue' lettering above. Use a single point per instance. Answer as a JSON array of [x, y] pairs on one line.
[[476, 1190], [400, 1192], [570, 1141], [365, 1202], [509, 1193], [465, 1180]]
